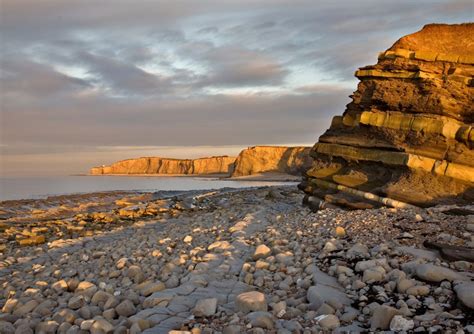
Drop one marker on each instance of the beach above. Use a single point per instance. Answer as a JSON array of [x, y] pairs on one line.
[[229, 261]]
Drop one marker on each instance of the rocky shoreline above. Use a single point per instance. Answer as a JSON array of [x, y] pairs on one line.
[[230, 261]]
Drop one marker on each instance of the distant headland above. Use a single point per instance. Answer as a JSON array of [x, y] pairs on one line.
[[253, 160]]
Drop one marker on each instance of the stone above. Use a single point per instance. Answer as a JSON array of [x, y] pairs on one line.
[[6, 327], [126, 308], [382, 317], [147, 288], [25, 308], [101, 326], [399, 323], [205, 307], [465, 293], [76, 302], [251, 301], [340, 232], [60, 286], [418, 290], [47, 327], [22, 329], [328, 322], [432, 273], [188, 239], [261, 319], [261, 252], [86, 289], [373, 275]]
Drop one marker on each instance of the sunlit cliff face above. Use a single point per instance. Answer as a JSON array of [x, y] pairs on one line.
[[88, 83]]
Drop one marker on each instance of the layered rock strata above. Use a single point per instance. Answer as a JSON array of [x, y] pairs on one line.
[[282, 159], [157, 165], [408, 133], [253, 160]]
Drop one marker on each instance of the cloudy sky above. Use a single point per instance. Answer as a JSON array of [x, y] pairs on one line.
[[88, 82]]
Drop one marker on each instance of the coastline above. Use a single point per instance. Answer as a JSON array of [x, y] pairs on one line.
[[168, 257]]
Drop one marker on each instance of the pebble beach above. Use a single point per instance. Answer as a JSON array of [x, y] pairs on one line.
[[229, 261]]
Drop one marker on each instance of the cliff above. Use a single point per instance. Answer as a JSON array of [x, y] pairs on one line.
[[260, 159], [257, 159], [408, 133], [157, 165]]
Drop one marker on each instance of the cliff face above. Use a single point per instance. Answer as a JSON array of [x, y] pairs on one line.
[[259, 159], [156, 165], [408, 133]]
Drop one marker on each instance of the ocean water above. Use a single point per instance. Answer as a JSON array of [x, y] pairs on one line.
[[40, 187]]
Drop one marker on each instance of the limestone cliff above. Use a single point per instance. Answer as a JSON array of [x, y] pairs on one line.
[[259, 159], [157, 165], [408, 133]]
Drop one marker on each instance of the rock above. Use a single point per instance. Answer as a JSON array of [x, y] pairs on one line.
[[6, 327], [147, 288], [373, 275], [76, 302], [399, 323], [465, 293], [250, 301], [418, 290], [188, 239], [382, 317], [25, 308], [126, 308], [205, 307], [261, 252], [135, 273], [86, 289], [22, 329], [340, 232], [60, 286], [369, 145], [158, 165], [47, 327], [101, 326], [100, 298], [259, 159], [328, 322], [261, 319], [432, 273]]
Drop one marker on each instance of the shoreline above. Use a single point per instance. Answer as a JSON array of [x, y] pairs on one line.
[[228, 259]]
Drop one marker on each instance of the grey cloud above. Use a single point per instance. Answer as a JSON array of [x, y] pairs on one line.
[[232, 66], [124, 78], [22, 77]]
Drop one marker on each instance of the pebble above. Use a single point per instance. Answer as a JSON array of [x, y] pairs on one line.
[[399, 323], [432, 273], [382, 317], [125, 308], [205, 307], [328, 322], [465, 293], [261, 252], [251, 301]]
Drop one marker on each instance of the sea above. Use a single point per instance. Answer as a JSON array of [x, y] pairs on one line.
[[14, 188]]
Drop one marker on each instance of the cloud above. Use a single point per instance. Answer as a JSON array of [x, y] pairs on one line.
[[234, 66], [22, 77], [84, 73]]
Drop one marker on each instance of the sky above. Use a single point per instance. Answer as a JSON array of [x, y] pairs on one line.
[[86, 83]]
